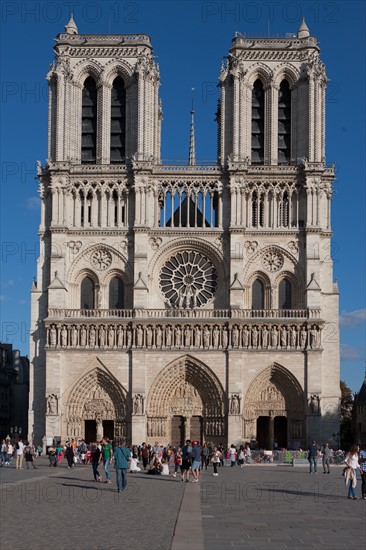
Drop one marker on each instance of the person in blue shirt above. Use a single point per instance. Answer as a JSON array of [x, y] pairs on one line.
[[196, 461], [122, 457]]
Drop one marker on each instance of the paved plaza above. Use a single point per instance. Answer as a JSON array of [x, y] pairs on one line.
[[255, 507]]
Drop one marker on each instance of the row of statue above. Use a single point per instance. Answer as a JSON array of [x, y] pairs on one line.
[[156, 427], [202, 337]]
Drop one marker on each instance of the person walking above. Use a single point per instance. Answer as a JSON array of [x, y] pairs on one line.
[[326, 458], [29, 456], [19, 451], [186, 460], [205, 456], [312, 457], [362, 461], [177, 460], [107, 455], [196, 461], [95, 461], [232, 455], [122, 457], [69, 453], [4, 452], [350, 475]]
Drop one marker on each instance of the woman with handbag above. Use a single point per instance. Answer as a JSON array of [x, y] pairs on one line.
[[215, 459]]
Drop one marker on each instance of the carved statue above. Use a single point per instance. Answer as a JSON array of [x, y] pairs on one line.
[[83, 336], [63, 336], [53, 336], [197, 336], [264, 337], [224, 338], [129, 337], [74, 336], [92, 337], [274, 337], [189, 296], [293, 337], [119, 336], [314, 337], [303, 335], [254, 337], [101, 336], [314, 404], [206, 337], [245, 337], [149, 337], [216, 336], [181, 297], [139, 336], [168, 336], [52, 404], [194, 296], [178, 337], [111, 336], [187, 336], [138, 404], [235, 404], [283, 337], [159, 337], [235, 336]]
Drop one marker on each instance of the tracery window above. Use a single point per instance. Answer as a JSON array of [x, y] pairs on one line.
[[188, 205], [118, 121], [258, 123], [284, 123], [285, 294], [258, 294], [89, 122], [87, 291], [116, 293]]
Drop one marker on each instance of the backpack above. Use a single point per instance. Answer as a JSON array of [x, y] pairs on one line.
[[17, 446]]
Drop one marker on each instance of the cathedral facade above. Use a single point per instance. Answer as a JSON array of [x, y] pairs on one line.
[[185, 301]]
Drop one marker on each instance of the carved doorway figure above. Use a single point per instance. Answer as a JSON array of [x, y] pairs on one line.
[[186, 401]]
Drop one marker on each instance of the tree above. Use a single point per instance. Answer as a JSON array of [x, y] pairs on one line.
[[346, 415]]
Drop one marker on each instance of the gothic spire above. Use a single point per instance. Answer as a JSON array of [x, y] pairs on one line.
[[192, 141], [71, 27], [303, 31]]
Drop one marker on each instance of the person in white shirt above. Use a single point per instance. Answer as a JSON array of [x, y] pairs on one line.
[[350, 474], [19, 451], [134, 465], [10, 453]]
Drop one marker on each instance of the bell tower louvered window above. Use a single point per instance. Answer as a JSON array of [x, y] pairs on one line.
[[257, 295], [89, 122], [118, 121], [284, 123], [258, 123]]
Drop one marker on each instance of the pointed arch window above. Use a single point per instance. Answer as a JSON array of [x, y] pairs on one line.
[[87, 292], [285, 294], [258, 294], [258, 123], [89, 122], [118, 121], [116, 293], [284, 123]]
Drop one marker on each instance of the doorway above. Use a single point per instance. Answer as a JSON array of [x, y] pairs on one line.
[[263, 425], [178, 431], [108, 429], [90, 431], [280, 431], [196, 429]]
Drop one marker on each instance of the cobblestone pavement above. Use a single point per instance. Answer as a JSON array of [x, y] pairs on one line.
[[256, 507]]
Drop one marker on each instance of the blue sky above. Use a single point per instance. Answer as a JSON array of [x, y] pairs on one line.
[[189, 40]]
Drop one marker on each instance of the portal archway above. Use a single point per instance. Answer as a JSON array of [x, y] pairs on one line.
[[97, 406], [274, 410], [186, 400]]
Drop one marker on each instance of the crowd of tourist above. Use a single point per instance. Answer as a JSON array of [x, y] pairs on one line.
[[186, 462]]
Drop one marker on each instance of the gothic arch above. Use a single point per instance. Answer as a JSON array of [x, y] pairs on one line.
[[261, 71], [96, 396], [186, 387], [88, 68], [116, 68], [275, 392], [284, 71]]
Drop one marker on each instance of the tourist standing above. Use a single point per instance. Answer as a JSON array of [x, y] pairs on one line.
[[232, 455], [215, 459], [107, 454], [352, 465], [122, 458], [177, 460], [4, 453], [19, 451], [362, 461], [196, 461], [326, 459], [312, 457], [205, 456], [186, 460], [69, 453], [29, 456], [241, 456], [145, 455], [10, 452], [52, 456]]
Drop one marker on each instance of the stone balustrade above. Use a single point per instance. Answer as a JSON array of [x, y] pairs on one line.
[[139, 313]]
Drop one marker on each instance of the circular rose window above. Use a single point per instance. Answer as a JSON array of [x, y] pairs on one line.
[[188, 280]]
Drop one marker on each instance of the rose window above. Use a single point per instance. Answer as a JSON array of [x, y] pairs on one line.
[[272, 261], [101, 259], [188, 280]]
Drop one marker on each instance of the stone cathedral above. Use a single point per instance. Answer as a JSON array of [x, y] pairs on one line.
[[176, 301]]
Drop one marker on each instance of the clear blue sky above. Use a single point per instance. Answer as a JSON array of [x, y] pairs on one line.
[[189, 40]]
